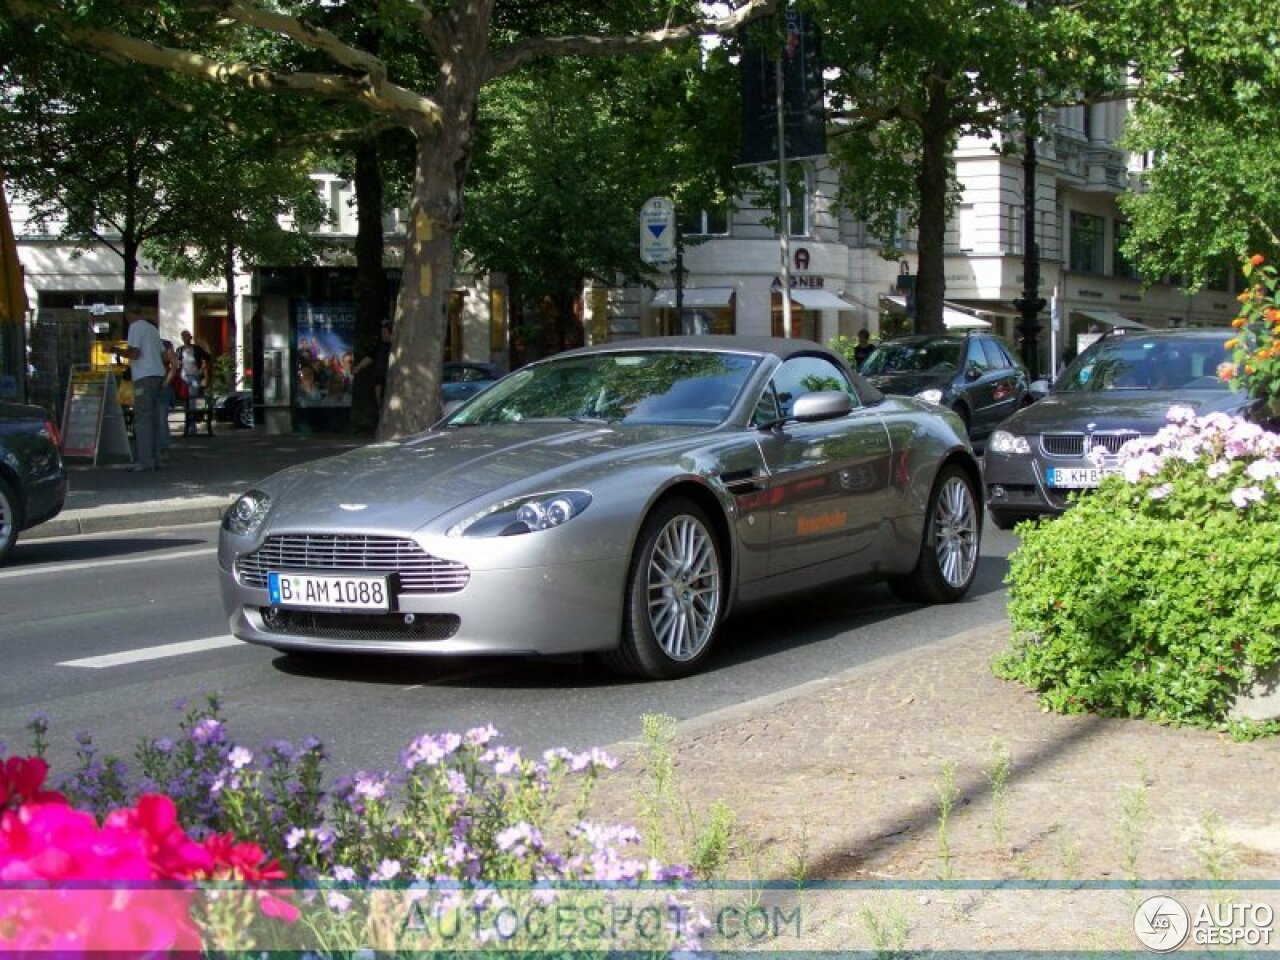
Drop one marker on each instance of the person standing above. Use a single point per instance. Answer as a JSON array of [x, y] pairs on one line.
[[863, 350], [194, 362], [147, 370]]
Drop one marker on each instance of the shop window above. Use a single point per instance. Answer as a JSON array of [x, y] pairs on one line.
[[805, 324]]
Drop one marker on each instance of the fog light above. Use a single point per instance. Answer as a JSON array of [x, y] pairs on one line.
[[408, 619], [997, 492]]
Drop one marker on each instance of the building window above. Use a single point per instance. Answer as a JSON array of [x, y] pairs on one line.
[[967, 224], [706, 223], [1123, 267], [1088, 234], [799, 196]]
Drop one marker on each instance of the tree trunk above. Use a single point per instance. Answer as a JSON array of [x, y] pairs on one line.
[[932, 182], [371, 281], [411, 402]]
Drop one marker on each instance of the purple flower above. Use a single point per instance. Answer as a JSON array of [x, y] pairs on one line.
[[163, 745], [480, 736], [430, 750], [369, 786], [239, 758], [1243, 496], [1160, 492], [387, 870], [519, 838], [294, 837], [337, 902], [344, 874], [505, 760], [207, 731]]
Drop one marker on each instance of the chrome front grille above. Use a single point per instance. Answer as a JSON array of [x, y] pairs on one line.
[[1080, 444], [1063, 444], [419, 571]]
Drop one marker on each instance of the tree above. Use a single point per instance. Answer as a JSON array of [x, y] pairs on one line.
[[564, 165], [468, 43], [1205, 78], [911, 78]]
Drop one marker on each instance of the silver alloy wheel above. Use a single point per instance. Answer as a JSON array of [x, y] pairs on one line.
[[955, 532], [684, 588]]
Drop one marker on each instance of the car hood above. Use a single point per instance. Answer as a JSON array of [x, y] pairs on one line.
[[909, 382], [403, 485], [1141, 410]]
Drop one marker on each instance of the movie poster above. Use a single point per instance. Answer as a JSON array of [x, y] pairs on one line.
[[323, 359]]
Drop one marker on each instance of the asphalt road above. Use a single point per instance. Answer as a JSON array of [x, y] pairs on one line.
[[108, 633]]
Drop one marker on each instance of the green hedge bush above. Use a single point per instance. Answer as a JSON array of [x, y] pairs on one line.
[[1156, 595]]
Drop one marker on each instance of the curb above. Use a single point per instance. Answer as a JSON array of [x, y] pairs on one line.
[[78, 522]]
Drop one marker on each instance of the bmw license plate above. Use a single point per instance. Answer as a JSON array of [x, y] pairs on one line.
[[329, 591], [1077, 478]]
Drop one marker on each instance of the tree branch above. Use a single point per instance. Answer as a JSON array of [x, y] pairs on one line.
[[380, 97], [432, 30], [317, 38], [518, 54]]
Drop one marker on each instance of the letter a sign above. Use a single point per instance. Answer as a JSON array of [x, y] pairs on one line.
[[658, 230]]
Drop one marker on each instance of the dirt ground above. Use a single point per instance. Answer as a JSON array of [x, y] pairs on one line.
[[842, 782]]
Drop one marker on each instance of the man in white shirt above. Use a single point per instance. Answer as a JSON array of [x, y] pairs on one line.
[[147, 370]]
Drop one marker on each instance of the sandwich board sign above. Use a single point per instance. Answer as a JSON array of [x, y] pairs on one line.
[[658, 230], [92, 419]]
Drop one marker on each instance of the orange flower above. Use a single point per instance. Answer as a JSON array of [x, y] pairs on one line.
[[1239, 322], [1257, 259], [1226, 371], [1272, 314], [1232, 343]]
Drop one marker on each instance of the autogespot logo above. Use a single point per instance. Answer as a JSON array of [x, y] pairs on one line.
[[1161, 923]]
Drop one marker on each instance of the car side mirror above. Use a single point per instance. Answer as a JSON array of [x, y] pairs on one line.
[[821, 405], [1039, 389], [972, 372]]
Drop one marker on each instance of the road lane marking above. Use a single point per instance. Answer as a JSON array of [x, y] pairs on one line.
[[142, 654], [91, 564]]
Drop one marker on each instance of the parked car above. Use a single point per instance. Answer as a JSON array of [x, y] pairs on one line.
[[33, 481], [234, 408], [463, 379], [621, 498], [1120, 388], [974, 374]]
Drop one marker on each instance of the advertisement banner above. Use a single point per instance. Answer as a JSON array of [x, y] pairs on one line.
[[323, 353]]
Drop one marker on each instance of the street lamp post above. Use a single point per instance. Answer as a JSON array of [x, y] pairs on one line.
[[1030, 303]]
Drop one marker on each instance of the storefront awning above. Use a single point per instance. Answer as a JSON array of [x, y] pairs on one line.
[[952, 318], [693, 297], [1109, 319], [820, 300]]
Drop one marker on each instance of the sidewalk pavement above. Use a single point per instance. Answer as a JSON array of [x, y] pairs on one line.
[[200, 478]]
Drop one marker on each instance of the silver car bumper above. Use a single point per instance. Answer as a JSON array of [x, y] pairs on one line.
[[543, 609]]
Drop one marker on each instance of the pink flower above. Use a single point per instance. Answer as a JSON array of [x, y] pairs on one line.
[[1243, 496], [22, 781], [1160, 492]]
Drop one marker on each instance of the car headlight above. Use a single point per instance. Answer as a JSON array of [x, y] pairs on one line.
[[523, 515], [1002, 441], [932, 395], [247, 513]]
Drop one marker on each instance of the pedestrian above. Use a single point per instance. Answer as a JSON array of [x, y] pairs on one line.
[[172, 367], [195, 374], [863, 349], [145, 351]]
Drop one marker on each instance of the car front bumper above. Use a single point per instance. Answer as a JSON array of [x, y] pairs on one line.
[[1016, 486], [545, 609]]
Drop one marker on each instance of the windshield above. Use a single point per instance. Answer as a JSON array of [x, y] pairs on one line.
[[914, 356], [654, 386], [1136, 362]]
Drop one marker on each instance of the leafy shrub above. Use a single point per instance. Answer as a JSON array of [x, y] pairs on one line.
[[1255, 366], [1155, 595]]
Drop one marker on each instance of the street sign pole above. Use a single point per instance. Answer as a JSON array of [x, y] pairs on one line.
[[784, 199]]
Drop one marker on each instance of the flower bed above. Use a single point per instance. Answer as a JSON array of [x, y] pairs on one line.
[[211, 845], [1155, 595]]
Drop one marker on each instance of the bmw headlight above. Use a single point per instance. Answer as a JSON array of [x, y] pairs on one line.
[[247, 513], [1002, 441], [524, 515], [932, 395]]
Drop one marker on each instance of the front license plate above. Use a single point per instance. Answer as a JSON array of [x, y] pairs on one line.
[[1074, 477], [328, 591]]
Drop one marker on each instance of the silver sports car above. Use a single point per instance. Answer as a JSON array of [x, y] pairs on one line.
[[621, 499]]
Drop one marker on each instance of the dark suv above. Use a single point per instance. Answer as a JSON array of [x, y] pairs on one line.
[[33, 482], [975, 374]]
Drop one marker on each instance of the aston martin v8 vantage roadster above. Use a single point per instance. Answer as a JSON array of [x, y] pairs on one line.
[[620, 499]]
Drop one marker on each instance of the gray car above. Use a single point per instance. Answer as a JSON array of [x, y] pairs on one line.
[[33, 480], [621, 499], [1120, 388]]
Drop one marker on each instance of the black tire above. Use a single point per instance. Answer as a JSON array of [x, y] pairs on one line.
[[1004, 520], [948, 558], [10, 519], [244, 415], [674, 599]]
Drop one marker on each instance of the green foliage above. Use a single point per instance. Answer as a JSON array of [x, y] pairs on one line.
[[1139, 606]]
